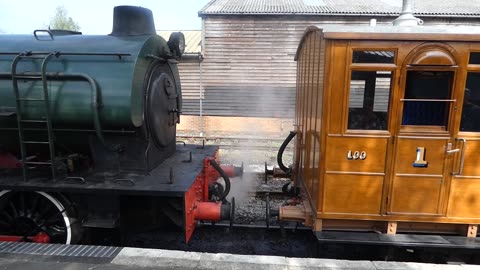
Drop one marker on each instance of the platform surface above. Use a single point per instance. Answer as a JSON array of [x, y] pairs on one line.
[[29, 256]]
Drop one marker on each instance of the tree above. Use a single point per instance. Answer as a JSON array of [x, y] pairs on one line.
[[61, 21]]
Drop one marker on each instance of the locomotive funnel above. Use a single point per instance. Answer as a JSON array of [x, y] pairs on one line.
[[132, 21]]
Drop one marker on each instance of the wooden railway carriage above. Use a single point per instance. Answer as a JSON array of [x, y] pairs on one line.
[[388, 129]]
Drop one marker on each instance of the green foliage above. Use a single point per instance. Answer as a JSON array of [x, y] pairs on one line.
[[61, 20]]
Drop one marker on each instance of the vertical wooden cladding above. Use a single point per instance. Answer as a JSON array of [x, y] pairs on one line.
[[248, 66], [190, 78], [310, 77]]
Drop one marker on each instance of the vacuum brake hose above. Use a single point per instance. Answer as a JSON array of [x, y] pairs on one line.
[[225, 177], [282, 166]]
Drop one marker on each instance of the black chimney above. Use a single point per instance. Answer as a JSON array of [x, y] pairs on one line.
[[132, 21]]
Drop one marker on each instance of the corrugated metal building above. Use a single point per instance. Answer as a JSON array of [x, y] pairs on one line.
[[248, 72]]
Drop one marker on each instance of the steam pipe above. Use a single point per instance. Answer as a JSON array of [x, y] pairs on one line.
[[225, 177], [212, 211], [282, 166]]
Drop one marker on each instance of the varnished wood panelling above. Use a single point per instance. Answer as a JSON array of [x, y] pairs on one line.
[[338, 147], [386, 186], [316, 117], [353, 194], [416, 195], [471, 166], [300, 110], [336, 86], [311, 123], [305, 85], [316, 171], [308, 89], [464, 198], [407, 154]]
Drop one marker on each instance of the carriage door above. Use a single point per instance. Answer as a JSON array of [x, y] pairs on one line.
[[424, 140]]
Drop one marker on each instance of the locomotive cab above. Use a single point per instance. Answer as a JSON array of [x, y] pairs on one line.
[[388, 124]]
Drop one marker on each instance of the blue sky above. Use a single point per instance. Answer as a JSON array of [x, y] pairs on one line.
[[95, 17]]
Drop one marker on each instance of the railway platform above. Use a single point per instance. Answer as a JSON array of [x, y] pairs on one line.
[[27, 256]]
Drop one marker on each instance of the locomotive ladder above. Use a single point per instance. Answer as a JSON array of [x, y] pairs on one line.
[[47, 120]]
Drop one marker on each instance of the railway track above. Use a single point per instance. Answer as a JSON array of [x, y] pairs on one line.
[[271, 194]]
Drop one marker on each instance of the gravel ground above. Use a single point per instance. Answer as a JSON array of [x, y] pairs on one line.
[[249, 208]]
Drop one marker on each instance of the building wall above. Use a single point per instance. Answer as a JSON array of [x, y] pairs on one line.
[[190, 78], [249, 73], [234, 127]]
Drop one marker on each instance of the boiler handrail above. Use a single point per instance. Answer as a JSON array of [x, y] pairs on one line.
[[96, 98]]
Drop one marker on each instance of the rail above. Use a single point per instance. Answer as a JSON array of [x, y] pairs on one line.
[[119, 55]]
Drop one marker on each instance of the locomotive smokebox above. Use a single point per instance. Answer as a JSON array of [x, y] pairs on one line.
[[132, 21]]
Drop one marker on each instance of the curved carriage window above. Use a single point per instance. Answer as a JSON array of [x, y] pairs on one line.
[[474, 58], [471, 104], [378, 57], [369, 100], [427, 98]]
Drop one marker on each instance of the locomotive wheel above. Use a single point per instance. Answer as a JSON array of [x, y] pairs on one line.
[[29, 213]]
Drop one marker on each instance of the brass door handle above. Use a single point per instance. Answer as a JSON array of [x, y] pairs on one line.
[[450, 150], [453, 151], [462, 156]]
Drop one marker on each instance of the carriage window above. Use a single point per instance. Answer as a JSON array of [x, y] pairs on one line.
[[474, 58], [427, 98], [386, 57], [471, 104], [369, 100]]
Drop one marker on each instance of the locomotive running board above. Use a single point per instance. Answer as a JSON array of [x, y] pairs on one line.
[[398, 240]]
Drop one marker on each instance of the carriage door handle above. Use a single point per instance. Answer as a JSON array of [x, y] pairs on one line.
[[462, 157], [450, 150]]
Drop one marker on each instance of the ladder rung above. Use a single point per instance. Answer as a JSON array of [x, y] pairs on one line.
[[34, 121], [35, 142], [7, 113], [37, 163], [27, 77], [31, 99]]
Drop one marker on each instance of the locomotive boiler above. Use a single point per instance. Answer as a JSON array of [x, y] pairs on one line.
[[87, 132]]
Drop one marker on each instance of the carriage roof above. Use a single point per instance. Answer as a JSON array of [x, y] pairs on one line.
[[419, 33]]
